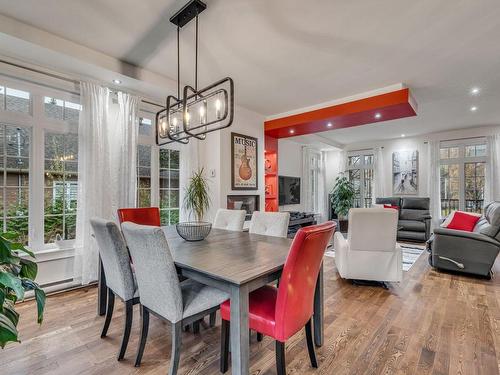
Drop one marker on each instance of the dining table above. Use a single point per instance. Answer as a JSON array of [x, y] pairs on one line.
[[238, 263]]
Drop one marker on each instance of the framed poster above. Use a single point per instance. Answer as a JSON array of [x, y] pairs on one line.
[[405, 172], [244, 164]]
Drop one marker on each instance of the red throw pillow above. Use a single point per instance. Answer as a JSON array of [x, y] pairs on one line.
[[463, 221], [390, 206]]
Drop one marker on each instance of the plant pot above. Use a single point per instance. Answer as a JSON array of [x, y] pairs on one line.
[[343, 226], [194, 230]]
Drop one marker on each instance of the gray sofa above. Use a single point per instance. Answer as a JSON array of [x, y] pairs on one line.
[[468, 252], [414, 222]]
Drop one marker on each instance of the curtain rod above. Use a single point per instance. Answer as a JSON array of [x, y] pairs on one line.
[[60, 77], [462, 139]]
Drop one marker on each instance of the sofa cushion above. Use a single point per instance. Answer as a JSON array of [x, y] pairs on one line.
[[391, 206], [415, 203], [463, 221], [489, 224], [393, 201], [412, 236], [411, 225], [411, 214]]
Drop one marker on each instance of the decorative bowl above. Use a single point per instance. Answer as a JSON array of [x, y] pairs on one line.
[[194, 230]]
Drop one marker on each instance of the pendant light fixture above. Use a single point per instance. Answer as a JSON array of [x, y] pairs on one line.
[[198, 111]]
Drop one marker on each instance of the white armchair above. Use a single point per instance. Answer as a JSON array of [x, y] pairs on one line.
[[229, 219], [370, 251]]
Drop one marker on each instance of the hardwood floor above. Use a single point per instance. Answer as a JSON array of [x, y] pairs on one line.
[[433, 323]]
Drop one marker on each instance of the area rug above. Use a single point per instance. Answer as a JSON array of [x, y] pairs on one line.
[[410, 254]]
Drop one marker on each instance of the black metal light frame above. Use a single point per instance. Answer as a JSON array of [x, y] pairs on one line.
[[191, 11]]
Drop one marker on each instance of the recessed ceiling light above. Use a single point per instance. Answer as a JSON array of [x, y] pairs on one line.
[[473, 108], [117, 82], [292, 131], [378, 115], [474, 90], [329, 124], [403, 135]]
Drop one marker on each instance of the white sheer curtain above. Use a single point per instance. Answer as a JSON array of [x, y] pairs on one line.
[[322, 191], [106, 167], [379, 182], [433, 182], [307, 192], [492, 185]]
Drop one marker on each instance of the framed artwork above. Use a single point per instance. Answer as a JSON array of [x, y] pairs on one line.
[[244, 163], [405, 172]]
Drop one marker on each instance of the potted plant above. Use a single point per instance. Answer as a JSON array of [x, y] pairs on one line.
[[197, 202], [342, 200], [17, 275]]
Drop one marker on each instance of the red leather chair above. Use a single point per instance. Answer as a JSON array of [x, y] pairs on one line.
[[282, 312], [142, 216]]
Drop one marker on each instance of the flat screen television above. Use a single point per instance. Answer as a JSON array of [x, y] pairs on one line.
[[289, 190]]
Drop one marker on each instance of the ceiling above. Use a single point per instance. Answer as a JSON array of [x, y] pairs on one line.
[[289, 54]]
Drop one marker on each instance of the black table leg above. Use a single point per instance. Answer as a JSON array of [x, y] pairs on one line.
[[102, 291], [319, 310]]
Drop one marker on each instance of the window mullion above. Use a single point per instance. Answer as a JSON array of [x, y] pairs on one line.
[[37, 169]]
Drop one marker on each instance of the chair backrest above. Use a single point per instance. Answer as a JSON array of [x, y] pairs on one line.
[[270, 223], [489, 224], [115, 258], [143, 215], [295, 300], [155, 270], [372, 229], [229, 219]]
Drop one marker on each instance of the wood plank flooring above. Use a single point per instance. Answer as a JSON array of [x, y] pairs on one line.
[[432, 323]]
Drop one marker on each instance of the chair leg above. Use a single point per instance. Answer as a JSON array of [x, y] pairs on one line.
[[212, 318], [310, 345], [129, 311], [280, 358], [224, 346], [260, 336], [176, 348], [196, 327], [144, 335], [109, 313]]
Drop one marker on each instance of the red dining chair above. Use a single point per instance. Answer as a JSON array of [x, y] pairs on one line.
[[141, 216], [281, 312]]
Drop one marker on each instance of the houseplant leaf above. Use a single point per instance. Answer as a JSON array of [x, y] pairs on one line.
[[8, 331], [29, 269], [12, 282]]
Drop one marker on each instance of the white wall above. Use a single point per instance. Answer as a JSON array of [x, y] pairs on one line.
[[290, 164], [215, 155]]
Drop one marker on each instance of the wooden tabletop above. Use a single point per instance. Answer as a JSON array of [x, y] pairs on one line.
[[234, 257]]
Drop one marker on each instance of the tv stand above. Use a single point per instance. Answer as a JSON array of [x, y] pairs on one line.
[[299, 220]]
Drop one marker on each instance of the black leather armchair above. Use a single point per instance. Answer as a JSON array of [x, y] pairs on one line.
[[468, 252], [414, 222]]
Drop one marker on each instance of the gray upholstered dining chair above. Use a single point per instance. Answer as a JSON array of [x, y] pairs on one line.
[[119, 276], [162, 294], [229, 219], [270, 223]]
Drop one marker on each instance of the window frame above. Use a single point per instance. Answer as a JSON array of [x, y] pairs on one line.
[[362, 167], [461, 160]]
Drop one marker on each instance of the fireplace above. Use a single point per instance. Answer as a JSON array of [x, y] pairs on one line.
[[249, 203]]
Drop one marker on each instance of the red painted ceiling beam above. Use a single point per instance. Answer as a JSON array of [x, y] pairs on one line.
[[389, 106]]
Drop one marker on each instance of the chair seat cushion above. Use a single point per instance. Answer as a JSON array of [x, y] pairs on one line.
[[262, 306], [198, 297], [412, 225]]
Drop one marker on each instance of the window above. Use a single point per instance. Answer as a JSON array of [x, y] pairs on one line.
[[462, 175], [15, 100], [360, 173], [14, 165], [143, 176], [145, 126], [62, 110], [169, 186], [61, 186]]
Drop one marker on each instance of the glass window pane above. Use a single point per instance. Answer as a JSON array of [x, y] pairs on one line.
[[368, 159], [2, 97], [20, 226], [354, 160], [61, 181], [16, 141], [145, 126], [16, 202], [164, 217], [480, 150], [174, 217], [17, 101], [53, 108], [164, 198], [144, 198], [174, 159], [72, 113], [164, 158]]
